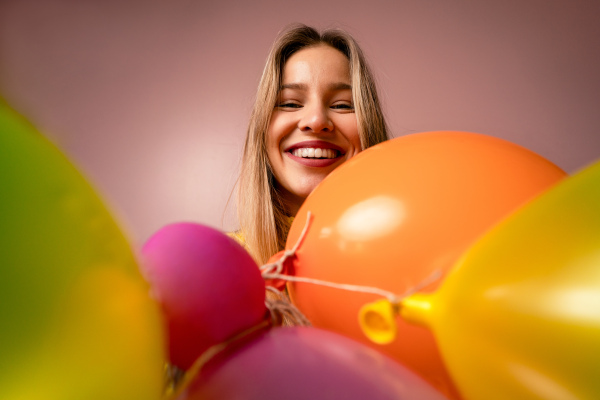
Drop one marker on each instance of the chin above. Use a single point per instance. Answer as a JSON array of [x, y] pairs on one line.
[[307, 189], [299, 192]]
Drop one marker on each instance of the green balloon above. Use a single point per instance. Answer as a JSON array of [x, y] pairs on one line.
[[54, 233]]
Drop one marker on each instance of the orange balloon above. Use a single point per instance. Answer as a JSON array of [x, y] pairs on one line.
[[399, 211]]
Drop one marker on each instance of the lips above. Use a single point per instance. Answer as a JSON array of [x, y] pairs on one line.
[[315, 153]]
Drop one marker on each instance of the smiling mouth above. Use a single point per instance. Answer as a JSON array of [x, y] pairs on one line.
[[315, 153]]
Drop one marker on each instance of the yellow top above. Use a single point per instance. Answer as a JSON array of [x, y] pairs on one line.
[[238, 236]]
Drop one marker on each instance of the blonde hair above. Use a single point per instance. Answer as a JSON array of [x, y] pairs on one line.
[[262, 215]]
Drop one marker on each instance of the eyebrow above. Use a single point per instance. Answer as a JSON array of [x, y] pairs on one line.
[[302, 86]]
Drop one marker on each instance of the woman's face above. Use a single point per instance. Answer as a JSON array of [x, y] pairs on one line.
[[313, 129]]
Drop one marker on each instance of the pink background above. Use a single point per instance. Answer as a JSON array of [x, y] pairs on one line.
[[150, 98]]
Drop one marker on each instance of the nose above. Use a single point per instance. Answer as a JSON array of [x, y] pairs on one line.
[[315, 119]]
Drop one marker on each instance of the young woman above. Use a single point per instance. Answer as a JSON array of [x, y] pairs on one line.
[[316, 107]]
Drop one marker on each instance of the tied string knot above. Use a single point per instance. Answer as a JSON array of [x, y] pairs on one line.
[[283, 312]]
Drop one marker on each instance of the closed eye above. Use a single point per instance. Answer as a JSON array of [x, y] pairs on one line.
[[289, 105], [342, 106]]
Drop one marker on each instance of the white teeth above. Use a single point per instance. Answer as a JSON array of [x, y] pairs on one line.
[[308, 152]]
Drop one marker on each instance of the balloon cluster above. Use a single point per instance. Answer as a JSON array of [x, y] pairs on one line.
[[511, 312], [213, 297]]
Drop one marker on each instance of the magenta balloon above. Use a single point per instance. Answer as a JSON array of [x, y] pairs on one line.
[[305, 363], [209, 287]]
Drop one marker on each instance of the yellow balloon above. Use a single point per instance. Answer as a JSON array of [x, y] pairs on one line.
[[76, 318], [519, 316]]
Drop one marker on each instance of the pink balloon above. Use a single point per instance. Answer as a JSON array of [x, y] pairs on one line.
[[208, 286], [304, 363]]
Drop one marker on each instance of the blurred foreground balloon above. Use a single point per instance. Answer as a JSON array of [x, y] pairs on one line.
[[76, 319], [398, 211], [519, 317], [304, 363], [209, 287]]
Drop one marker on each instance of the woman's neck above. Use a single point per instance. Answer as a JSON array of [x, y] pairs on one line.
[[291, 202]]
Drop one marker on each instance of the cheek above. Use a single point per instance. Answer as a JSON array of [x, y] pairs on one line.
[[273, 148], [278, 128], [351, 133], [273, 139]]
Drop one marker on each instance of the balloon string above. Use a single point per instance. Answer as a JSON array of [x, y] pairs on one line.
[[274, 271], [343, 286]]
